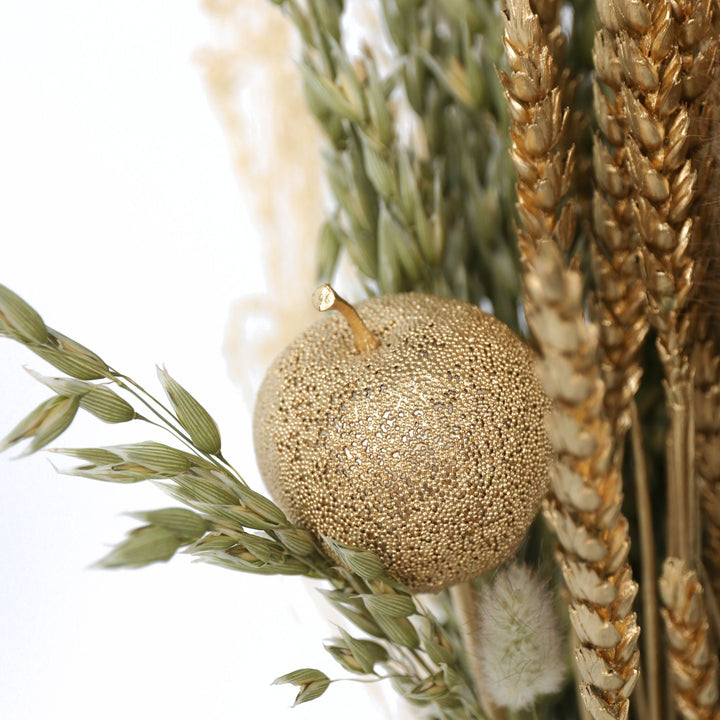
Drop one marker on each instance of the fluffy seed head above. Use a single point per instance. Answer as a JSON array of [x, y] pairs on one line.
[[519, 643], [428, 449]]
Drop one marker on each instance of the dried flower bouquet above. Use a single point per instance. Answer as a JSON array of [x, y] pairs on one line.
[[612, 276]]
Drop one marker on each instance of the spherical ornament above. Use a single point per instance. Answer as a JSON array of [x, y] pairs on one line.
[[412, 427]]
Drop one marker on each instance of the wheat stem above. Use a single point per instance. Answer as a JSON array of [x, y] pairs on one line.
[[651, 630]]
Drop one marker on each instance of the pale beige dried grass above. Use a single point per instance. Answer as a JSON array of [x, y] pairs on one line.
[[252, 80]]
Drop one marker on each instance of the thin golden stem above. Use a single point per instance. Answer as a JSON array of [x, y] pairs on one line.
[[325, 298], [683, 501], [639, 700], [651, 630], [465, 604]]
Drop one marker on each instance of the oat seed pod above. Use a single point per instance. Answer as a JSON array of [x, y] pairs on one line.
[[417, 433]]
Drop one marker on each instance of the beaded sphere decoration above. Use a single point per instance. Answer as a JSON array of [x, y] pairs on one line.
[[412, 427]]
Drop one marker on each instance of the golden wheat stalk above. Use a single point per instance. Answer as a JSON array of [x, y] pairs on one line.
[[693, 663], [647, 70], [620, 296], [584, 505], [538, 120]]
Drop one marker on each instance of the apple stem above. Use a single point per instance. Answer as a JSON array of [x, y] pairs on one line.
[[325, 298]]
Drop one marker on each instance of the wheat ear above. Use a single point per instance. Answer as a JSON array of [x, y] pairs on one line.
[[543, 165], [584, 507], [649, 78], [701, 89], [693, 662], [620, 306], [586, 488]]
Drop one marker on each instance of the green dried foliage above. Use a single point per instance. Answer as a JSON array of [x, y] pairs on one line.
[[229, 524], [439, 221]]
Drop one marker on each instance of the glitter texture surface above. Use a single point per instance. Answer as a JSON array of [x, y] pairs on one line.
[[429, 449]]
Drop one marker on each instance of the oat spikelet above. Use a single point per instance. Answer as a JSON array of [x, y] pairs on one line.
[[693, 663], [543, 166], [620, 295], [584, 507]]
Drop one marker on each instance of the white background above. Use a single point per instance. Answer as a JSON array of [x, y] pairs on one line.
[[122, 224]]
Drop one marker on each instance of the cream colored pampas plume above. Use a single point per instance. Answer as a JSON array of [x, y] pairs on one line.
[[254, 84], [519, 643]]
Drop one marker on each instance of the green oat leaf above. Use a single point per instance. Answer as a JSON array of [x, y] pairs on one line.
[[43, 424], [69, 387], [96, 456], [107, 405], [299, 542], [359, 617], [366, 652], [398, 630], [71, 357], [263, 506], [390, 606], [343, 655], [162, 459]]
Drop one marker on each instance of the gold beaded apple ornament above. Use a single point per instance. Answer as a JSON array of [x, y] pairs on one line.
[[412, 427]]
